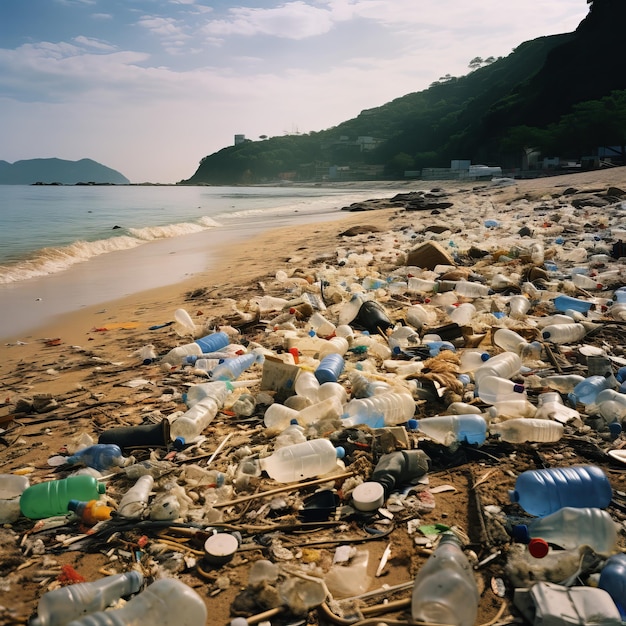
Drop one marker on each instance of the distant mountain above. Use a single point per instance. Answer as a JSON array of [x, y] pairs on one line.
[[59, 171], [556, 96]]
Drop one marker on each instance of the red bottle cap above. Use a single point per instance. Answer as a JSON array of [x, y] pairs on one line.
[[538, 548]]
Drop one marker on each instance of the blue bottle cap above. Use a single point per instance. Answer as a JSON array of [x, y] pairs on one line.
[[615, 428], [485, 356], [520, 533], [179, 443], [412, 424], [341, 452]]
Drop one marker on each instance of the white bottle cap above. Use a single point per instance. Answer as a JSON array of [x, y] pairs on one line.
[[368, 496], [220, 548]]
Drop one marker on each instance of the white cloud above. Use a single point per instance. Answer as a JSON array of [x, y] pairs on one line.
[[97, 44], [163, 27]]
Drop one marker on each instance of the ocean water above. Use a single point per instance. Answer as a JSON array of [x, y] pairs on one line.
[[64, 247]]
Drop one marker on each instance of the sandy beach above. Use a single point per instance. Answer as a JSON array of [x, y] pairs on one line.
[[87, 362]]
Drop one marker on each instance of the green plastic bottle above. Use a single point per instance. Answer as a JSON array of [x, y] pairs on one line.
[[51, 498]]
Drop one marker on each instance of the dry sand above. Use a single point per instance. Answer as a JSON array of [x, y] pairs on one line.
[[86, 359]]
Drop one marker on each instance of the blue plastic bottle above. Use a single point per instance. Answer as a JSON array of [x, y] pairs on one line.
[[567, 303], [543, 491], [100, 456], [330, 368], [613, 581], [586, 391], [213, 342], [448, 429], [233, 368]]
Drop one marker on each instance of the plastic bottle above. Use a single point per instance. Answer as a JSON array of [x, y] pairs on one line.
[[504, 365], [508, 339], [51, 498], [294, 433], [350, 309], [191, 424], [330, 368], [586, 282], [90, 512], [362, 387], [613, 581], [449, 429], [277, 416], [469, 289], [564, 383], [518, 307], [166, 602], [315, 457], [100, 456], [569, 528], [462, 314], [564, 333], [209, 343], [135, 501], [550, 406], [422, 286], [62, 605], [445, 590], [334, 345], [492, 389], [217, 389], [400, 468], [567, 303], [11, 488], [322, 327], [471, 360], [522, 430], [233, 368], [202, 364], [544, 491], [397, 408], [587, 390], [611, 404], [307, 385]]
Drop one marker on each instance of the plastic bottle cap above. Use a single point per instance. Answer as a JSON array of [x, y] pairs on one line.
[[538, 548], [179, 443], [101, 487], [615, 428], [368, 496], [341, 452], [412, 424], [485, 356], [520, 533], [220, 548]]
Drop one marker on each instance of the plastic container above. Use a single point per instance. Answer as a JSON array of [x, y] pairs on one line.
[[307, 385], [523, 430], [611, 404], [508, 339], [217, 389], [322, 327], [213, 342], [330, 368], [166, 602], [101, 456], [334, 345], [400, 468], [191, 424], [518, 307], [504, 365], [587, 282], [210, 343], [550, 407], [135, 501], [468, 289], [233, 368], [51, 498], [90, 512], [587, 391], [302, 460], [142, 436], [613, 581], [564, 333], [567, 303], [544, 491], [294, 433], [11, 488], [564, 383], [372, 318], [445, 590], [493, 389], [278, 416], [362, 387], [396, 408], [449, 429], [570, 528], [62, 605], [471, 360]]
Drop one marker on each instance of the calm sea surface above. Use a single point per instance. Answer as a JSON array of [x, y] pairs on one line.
[[58, 244]]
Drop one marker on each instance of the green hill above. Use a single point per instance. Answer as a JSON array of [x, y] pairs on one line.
[[58, 171], [562, 95]]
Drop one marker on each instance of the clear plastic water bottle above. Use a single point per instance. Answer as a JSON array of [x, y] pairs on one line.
[[307, 385], [611, 404], [449, 429], [330, 368], [51, 498], [522, 430], [469, 289], [233, 368], [209, 343], [570, 528], [503, 365], [101, 456], [166, 602], [508, 339], [300, 461], [445, 590], [564, 383], [322, 327], [471, 360], [11, 488], [519, 306], [544, 491], [62, 605], [218, 390], [397, 408], [135, 501], [192, 423], [586, 392], [492, 389], [564, 333], [550, 406], [613, 581], [334, 345], [277, 416], [294, 433], [362, 387]]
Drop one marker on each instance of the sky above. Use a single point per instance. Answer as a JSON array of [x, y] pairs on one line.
[[150, 87]]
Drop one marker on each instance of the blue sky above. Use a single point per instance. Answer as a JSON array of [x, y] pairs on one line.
[[150, 87]]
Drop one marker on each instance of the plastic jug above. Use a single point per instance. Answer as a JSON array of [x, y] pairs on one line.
[[543, 491], [613, 581], [503, 365], [330, 368], [396, 408]]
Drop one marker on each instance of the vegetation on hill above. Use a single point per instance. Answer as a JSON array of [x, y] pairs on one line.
[[58, 171], [562, 95]]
